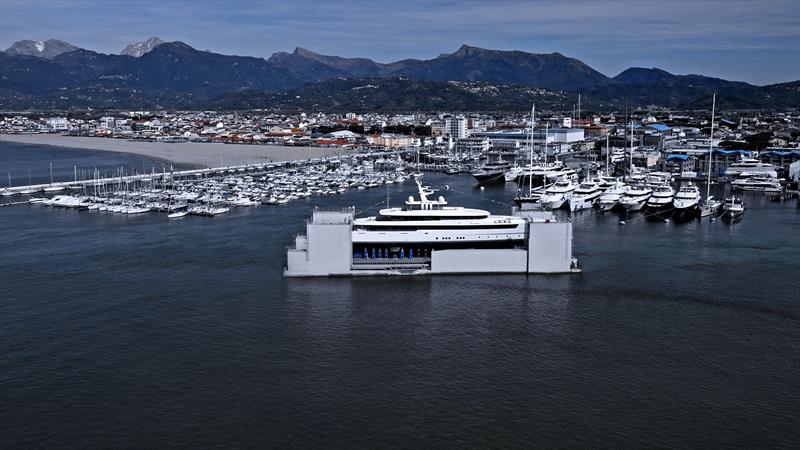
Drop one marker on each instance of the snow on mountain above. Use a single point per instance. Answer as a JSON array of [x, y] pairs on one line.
[[44, 49], [140, 48]]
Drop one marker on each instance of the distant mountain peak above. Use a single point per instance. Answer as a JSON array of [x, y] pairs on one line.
[[304, 52], [644, 75], [138, 49], [175, 46], [43, 49], [467, 50]]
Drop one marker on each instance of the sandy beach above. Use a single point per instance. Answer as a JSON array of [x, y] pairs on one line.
[[199, 154]]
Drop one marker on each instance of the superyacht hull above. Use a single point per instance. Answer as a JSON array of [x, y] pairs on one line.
[[687, 212], [485, 178]]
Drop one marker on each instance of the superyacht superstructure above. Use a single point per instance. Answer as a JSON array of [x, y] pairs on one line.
[[427, 224], [749, 167]]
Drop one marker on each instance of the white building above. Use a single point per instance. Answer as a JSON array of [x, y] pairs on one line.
[[456, 127], [107, 122], [567, 135], [472, 145], [58, 124]]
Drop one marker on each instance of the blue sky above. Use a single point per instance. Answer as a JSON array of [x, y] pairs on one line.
[[755, 41]]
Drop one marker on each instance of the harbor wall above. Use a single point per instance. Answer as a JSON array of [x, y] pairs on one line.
[[478, 261]]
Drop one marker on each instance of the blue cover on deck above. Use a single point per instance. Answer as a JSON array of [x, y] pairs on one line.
[[677, 157]]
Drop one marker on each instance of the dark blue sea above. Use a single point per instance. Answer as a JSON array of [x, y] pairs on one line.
[[135, 331]]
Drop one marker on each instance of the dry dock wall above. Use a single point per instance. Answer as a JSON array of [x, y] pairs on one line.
[[550, 247], [326, 248]]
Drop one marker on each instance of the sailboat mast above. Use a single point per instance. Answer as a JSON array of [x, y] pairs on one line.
[[711, 144], [530, 144], [546, 133], [607, 155], [631, 146]]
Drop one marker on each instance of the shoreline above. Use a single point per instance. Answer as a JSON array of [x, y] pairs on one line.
[[201, 154]]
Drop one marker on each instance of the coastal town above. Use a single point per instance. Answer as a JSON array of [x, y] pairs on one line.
[[672, 142]]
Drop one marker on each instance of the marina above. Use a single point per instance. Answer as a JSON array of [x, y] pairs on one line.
[[214, 191]]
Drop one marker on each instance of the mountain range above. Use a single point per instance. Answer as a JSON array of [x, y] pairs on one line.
[[155, 74]]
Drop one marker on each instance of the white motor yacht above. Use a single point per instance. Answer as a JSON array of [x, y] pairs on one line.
[[611, 197], [733, 209], [557, 195], [661, 199], [751, 167], [759, 183], [585, 195], [178, 214], [607, 181], [492, 172], [687, 200], [636, 197], [513, 173], [429, 223]]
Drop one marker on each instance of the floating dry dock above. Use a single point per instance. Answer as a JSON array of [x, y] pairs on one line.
[[428, 237]]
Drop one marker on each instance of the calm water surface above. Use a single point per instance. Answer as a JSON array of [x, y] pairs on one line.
[[142, 332]]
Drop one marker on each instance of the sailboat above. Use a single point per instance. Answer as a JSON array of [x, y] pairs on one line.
[[7, 192], [710, 206], [531, 200], [417, 173], [52, 188], [177, 213], [27, 190]]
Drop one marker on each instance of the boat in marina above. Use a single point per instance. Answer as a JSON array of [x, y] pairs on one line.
[[662, 198], [635, 198], [51, 187], [492, 172], [749, 167], [585, 195], [733, 208], [611, 197], [557, 195], [512, 173], [208, 210], [758, 183], [530, 200], [687, 200], [178, 214], [709, 206], [606, 182], [7, 192]]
